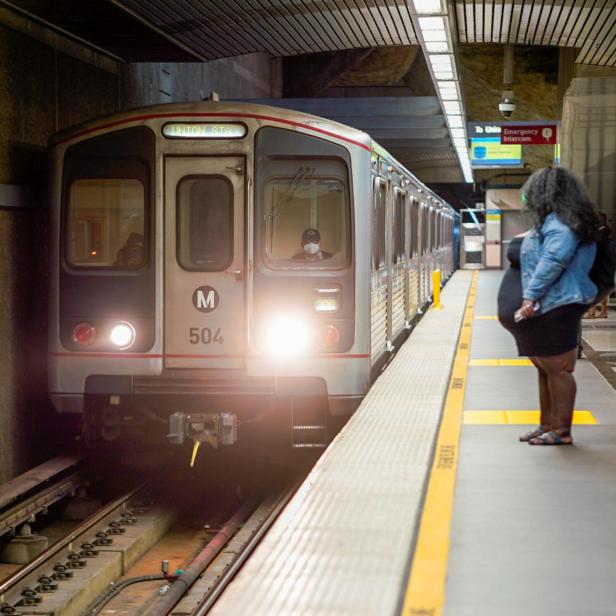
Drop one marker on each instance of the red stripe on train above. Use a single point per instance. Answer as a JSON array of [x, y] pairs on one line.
[[78, 354]]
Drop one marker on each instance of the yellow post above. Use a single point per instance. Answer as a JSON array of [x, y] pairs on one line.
[[436, 290]]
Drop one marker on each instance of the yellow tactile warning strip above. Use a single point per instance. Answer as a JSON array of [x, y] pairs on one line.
[[485, 317], [529, 418], [501, 362], [425, 591]]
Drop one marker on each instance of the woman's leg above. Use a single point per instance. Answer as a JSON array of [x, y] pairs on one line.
[[562, 388], [603, 310], [545, 401]]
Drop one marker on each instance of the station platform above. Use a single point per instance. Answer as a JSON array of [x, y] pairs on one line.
[[427, 503]]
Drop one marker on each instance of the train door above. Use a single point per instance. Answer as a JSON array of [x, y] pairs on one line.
[[204, 312]]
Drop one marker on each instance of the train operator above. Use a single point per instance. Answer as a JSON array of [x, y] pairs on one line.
[[311, 244]]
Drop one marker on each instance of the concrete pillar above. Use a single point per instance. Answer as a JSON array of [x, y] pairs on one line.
[[588, 138]]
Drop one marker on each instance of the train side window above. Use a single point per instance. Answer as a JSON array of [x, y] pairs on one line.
[[399, 226], [106, 223], [380, 196], [414, 228], [205, 223], [425, 229]]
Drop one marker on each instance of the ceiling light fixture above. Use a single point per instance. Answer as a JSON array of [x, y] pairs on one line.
[[427, 7]]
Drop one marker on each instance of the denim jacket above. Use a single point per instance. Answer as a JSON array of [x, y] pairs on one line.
[[555, 266]]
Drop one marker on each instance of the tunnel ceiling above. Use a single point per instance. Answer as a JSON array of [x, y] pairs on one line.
[[144, 30], [104, 25], [587, 25]]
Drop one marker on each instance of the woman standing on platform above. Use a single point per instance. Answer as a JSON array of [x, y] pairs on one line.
[[546, 291]]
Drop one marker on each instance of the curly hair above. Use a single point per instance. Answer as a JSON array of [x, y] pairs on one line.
[[557, 190]]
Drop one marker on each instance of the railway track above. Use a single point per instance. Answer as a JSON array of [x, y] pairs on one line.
[[102, 563]]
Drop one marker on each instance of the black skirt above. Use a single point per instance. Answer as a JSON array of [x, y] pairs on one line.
[[552, 333]]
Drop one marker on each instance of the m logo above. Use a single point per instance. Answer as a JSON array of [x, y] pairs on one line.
[[205, 299]]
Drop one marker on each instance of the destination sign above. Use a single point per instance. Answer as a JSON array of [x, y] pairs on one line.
[[203, 130]]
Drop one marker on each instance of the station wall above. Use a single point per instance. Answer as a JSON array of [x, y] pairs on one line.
[[47, 83]]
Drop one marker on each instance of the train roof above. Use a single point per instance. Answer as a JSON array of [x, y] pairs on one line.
[[210, 109], [231, 109]]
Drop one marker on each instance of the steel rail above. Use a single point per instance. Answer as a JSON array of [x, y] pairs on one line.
[[213, 594], [204, 558], [60, 545]]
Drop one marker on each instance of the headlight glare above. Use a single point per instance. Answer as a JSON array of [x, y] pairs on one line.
[[122, 335], [286, 337]]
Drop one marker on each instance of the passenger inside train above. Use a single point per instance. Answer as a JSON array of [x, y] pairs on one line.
[[131, 254]]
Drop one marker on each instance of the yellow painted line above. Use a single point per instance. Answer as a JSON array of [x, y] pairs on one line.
[[501, 362], [484, 317], [425, 591], [521, 418]]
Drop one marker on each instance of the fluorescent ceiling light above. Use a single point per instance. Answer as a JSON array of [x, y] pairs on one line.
[[459, 142], [434, 35], [447, 84], [458, 133], [440, 61], [452, 107], [432, 23], [428, 6], [437, 46], [455, 121], [449, 95], [439, 74]]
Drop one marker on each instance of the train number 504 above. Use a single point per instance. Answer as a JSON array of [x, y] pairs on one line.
[[204, 335]]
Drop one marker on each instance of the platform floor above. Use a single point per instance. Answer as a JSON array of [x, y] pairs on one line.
[[506, 528], [533, 529]]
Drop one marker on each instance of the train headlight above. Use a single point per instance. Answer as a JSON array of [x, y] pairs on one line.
[[286, 336], [122, 335]]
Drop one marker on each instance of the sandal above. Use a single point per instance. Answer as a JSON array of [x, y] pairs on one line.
[[524, 438], [552, 438]]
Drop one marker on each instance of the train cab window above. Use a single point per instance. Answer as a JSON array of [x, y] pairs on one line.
[[205, 223], [106, 223], [307, 217]]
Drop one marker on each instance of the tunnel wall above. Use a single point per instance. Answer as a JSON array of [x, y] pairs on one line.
[[48, 83], [41, 90]]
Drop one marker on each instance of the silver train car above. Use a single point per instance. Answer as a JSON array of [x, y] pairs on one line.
[[216, 264]]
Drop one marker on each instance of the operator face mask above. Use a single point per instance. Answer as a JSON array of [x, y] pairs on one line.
[[311, 248]]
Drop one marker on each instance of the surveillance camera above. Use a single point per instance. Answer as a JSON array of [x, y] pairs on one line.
[[506, 107]]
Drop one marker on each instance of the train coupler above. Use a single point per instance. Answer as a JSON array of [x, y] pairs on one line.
[[213, 428]]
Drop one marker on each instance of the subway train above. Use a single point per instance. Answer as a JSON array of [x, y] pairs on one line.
[[218, 263]]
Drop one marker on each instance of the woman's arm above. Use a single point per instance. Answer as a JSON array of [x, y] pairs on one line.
[[557, 249]]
